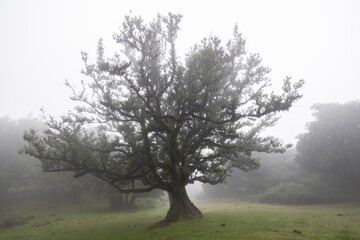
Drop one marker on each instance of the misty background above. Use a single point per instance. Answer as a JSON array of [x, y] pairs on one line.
[[317, 41]]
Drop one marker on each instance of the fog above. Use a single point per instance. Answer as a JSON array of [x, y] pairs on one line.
[[312, 40], [318, 41]]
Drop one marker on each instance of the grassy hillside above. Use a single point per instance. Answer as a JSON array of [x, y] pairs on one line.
[[240, 221]]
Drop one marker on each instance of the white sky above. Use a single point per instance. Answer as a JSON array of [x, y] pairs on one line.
[[319, 41]]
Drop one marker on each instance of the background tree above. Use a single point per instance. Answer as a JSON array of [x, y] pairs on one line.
[[274, 169], [127, 201], [15, 170], [63, 187], [162, 123], [331, 148]]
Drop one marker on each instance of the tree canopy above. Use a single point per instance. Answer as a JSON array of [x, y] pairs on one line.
[[163, 123], [331, 147]]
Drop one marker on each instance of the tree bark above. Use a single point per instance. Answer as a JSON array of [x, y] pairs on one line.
[[181, 207], [132, 200], [116, 202]]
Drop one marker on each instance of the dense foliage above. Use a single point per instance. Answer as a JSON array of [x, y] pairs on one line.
[[330, 149], [161, 123]]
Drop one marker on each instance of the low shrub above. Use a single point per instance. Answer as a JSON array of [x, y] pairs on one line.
[[289, 193], [10, 219]]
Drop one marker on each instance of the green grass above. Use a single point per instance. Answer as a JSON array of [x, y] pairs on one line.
[[242, 221]]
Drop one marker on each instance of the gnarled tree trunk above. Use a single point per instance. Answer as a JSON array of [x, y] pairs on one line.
[[181, 207]]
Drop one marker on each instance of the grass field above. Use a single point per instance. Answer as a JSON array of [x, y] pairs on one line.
[[242, 221]]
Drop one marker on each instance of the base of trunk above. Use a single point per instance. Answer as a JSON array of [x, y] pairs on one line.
[[181, 207]]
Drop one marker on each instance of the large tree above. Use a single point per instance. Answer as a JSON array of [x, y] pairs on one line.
[[163, 123], [331, 147]]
